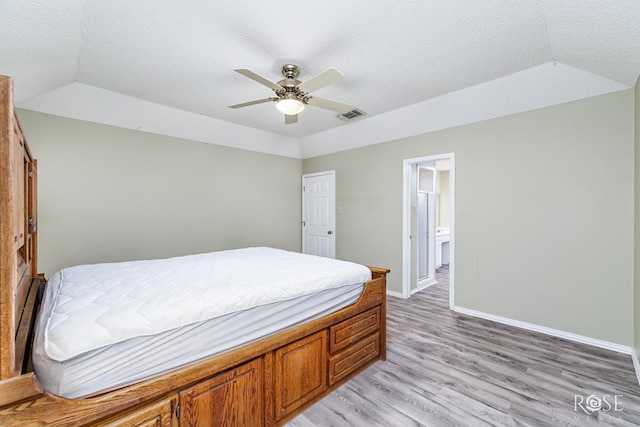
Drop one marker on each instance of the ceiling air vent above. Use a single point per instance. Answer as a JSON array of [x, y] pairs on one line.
[[350, 115]]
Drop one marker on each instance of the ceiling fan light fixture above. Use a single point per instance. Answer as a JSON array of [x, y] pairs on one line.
[[292, 95], [290, 106]]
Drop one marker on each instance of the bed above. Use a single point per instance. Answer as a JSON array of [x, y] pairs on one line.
[[141, 317], [273, 332]]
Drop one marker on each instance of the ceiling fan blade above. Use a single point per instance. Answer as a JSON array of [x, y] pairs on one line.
[[259, 79], [246, 104], [290, 119], [321, 80], [340, 107]]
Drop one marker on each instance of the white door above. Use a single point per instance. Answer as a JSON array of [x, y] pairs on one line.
[[318, 214], [426, 239], [423, 236]]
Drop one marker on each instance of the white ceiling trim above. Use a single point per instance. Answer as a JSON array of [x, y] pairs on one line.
[[542, 86], [89, 103], [537, 87]]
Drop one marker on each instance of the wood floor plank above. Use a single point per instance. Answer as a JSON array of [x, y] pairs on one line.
[[447, 369], [401, 407]]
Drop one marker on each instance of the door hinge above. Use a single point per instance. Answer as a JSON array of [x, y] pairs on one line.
[[177, 411], [304, 188], [304, 223]]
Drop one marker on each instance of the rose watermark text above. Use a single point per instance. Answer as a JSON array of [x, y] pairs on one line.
[[592, 403]]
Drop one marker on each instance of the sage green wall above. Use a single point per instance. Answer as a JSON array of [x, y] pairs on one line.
[[543, 213], [444, 198], [636, 293], [111, 194]]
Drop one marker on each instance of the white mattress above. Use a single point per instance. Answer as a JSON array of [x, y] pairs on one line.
[[105, 326]]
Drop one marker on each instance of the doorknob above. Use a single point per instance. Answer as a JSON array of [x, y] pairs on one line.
[[329, 232]]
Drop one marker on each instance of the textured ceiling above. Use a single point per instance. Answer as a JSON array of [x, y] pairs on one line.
[[181, 54]]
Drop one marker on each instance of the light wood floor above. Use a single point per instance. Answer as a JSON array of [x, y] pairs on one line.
[[446, 369]]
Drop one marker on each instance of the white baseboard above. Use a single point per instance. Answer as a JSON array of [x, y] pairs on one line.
[[422, 286], [636, 364], [394, 294], [413, 291], [549, 331]]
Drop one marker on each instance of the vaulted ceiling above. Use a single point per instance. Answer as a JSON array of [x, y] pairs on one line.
[[166, 66]]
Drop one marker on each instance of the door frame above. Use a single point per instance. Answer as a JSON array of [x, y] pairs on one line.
[[406, 223], [332, 211]]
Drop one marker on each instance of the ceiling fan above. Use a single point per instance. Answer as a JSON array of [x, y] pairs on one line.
[[292, 95]]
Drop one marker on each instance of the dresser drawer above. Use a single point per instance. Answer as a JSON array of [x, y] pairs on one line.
[[354, 329], [353, 357]]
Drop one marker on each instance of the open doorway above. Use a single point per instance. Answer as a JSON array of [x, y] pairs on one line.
[[428, 229]]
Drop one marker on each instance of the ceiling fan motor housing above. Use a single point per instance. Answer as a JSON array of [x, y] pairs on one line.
[[290, 71], [290, 84]]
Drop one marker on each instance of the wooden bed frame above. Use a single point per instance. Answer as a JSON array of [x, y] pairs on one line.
[[266, 382]]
